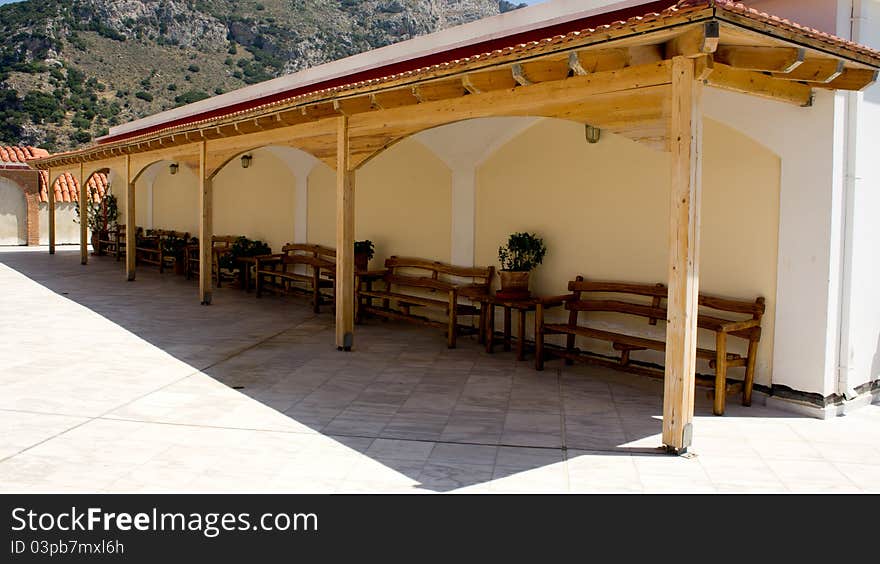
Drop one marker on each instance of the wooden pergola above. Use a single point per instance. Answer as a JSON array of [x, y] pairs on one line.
[[642, 78]]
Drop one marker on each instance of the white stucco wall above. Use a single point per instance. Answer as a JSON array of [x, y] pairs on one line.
[[66, 231], [13, 214], [859, 352]]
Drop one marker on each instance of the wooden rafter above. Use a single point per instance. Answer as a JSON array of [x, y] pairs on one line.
[[757, 84], [763, 59]]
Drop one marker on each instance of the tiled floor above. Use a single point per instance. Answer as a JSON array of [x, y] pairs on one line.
[[113, 386]]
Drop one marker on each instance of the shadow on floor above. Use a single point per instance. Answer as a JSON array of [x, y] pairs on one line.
[[446, 419]]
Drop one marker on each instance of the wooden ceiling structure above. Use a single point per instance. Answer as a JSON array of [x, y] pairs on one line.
[[641, 78]]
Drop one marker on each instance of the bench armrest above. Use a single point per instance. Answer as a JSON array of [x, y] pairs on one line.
[[734, 326]]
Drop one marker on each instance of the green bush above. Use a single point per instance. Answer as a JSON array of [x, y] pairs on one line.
[[146, 96]]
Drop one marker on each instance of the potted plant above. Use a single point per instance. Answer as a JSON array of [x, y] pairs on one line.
[[523, 252], [173, 246], [363, 253], [102, 218], [242, 247]]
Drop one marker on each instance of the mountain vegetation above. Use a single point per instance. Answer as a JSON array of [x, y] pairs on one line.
[[70, 69]]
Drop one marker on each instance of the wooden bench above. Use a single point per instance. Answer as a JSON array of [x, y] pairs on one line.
[[316, 273], [724, 317], [150, 248], [114, 244], [220, 245], [412, 282]]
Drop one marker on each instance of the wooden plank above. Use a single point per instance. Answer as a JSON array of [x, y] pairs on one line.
[[684, 231], [206, 227], [815, 70], [51, 191], [480, 82], [394, 98], [438, 90], [750, 82], [84, 202], [761, 59], [852, 79], [130, 223], [344, 239], [701, 39]]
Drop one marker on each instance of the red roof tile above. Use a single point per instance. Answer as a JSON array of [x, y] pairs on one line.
[[20, 154], [66, 187]]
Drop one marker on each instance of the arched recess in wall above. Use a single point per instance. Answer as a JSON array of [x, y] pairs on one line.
[[262, 194], [13, 213], [167, 196]]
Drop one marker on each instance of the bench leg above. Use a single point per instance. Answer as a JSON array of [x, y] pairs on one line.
[[720, 373], [316, 291], [539, 337], [521, 335], [453, 320], [490, 328], [258, 284], [750, 373]]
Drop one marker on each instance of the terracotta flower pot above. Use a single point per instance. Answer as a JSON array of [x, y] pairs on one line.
[[514, 285], [96, 241]]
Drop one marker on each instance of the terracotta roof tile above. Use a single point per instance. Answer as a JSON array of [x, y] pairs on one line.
[[66, 187], [20, 154]]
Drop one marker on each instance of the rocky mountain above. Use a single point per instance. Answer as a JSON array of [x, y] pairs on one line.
[[69, 69]]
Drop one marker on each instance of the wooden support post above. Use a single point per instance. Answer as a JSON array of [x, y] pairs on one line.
[[344, 239], [206, 228], [130, 223], [684, 234], [51, 191], [84, 202]]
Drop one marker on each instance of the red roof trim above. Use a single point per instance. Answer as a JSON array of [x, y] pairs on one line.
[[412, 64]]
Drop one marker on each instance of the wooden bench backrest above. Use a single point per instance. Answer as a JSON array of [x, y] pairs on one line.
[[305, 253], [653, 311], [404, 271], [223, 241]]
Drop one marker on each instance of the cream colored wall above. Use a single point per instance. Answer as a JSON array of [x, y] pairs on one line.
[[602, 210], [175, 200], [403, 203], [66, 230], [258, 202]]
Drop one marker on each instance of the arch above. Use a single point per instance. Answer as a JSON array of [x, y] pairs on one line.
[[274, 187], [13, 212]]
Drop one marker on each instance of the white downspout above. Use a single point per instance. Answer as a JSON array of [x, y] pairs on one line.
[[847, 208]]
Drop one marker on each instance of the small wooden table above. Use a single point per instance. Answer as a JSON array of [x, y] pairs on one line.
[[522, 307], [246, 264]]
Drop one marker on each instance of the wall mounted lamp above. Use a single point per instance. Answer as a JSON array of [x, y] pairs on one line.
[[593, 134], [246, 161], [172, 168]]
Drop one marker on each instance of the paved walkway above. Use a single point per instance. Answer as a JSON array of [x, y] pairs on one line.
[[113, 386]]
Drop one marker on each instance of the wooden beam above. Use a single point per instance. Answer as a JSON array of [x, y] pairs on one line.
[[440, 90], [567, 98], [395, 98], [206, 228], [852, 79], [684, 261], [699, 40], [821, 71], [761, 59], [344, 239], [51, 192], [84, 202], [544, 70], [749, 82], [351, 106], [469, 85], [130, 223]]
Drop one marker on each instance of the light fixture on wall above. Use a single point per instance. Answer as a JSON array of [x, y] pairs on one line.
[[246, 161], [172, 168], [592, 133]]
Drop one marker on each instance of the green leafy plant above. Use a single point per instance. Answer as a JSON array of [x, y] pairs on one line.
[[364, 247], [523, 252], [243, 247], [103, 216], [174, 246]]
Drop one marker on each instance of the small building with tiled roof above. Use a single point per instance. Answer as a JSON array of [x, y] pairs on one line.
[[24, 199], [711, 145]]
